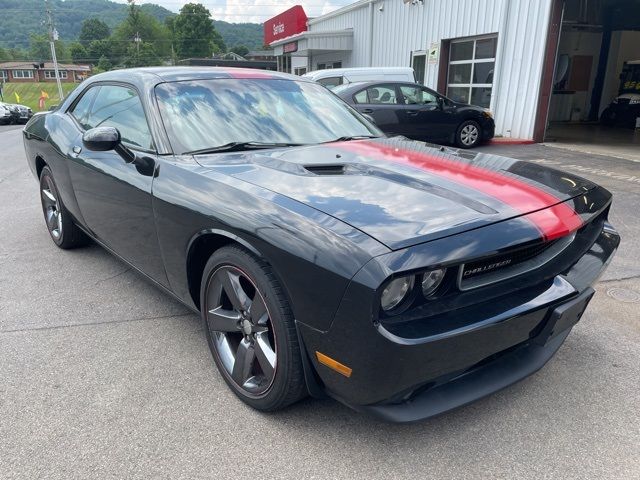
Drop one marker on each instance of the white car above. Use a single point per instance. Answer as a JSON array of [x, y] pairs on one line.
[[6, 114], [333, 77]]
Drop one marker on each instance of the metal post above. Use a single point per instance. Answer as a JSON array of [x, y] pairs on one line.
[[53, 36]]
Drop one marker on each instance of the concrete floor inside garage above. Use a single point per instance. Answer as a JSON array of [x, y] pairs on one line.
[[594, 138]]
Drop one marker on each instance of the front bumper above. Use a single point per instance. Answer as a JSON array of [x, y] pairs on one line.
[[409, 378]]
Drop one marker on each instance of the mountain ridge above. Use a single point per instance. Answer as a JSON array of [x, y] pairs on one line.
[[20, 18]]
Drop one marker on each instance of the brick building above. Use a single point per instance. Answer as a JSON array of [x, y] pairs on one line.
[[42, 72]]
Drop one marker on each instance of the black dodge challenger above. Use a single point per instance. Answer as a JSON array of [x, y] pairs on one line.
[[400, 278]]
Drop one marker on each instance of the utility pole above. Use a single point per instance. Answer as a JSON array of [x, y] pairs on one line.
[[53, 36]]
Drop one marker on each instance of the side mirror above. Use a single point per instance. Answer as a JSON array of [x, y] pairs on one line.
[[369, 117], [441, 103], [101, 139]]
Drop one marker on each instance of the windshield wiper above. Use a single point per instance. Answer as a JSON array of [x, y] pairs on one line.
[[239, 146], [349, 138]]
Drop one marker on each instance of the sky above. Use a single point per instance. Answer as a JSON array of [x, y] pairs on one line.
[[255, 11]]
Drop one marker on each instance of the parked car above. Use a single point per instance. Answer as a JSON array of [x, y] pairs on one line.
[[333, 77], [24, 113], [8, 114], [323, 258], [417, 112], [625, 108]]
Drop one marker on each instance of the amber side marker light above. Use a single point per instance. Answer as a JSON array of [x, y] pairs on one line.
[[333, 364]]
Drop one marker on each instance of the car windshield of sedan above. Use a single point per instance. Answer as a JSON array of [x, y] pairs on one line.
[[206, 114]]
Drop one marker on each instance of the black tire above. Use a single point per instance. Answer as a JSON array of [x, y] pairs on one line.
[[608, 117], [260, 388], [468, 134], [62, 230]]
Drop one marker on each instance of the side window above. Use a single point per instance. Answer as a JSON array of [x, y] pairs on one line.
[[81, 109], [120, 107], [330, 82], [360, 97], [382, 94], [417, 96]]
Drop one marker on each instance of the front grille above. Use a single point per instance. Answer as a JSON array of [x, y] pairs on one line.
[[508, 259], [509, 264]]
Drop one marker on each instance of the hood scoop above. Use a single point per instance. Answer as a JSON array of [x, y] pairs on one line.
[[330, 170]]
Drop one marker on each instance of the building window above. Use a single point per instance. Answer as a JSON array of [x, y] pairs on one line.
[[22, 73], [471, 67], [419, 62], [325, 66], [3, 74], [51, 74]]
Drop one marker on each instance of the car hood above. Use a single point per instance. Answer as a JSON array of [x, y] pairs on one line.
[[403, 192]]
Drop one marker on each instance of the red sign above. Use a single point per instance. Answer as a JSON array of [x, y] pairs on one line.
[[289, 22]]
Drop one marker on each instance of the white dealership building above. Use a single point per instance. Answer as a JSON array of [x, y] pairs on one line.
[[530, 61]]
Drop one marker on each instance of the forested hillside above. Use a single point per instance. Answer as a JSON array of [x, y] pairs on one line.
[[21, 18]]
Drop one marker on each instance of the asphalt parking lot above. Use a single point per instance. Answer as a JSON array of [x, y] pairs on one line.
[[103, 376]]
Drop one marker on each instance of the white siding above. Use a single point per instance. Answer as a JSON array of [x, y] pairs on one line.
[[399, 29]]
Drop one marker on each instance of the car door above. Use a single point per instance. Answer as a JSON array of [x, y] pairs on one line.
[[381, 102], [422, 113], [114, 195]]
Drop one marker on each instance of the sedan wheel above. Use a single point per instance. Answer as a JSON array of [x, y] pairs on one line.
[[52, 212], [64, 232], [468, 134], [241, 326], [251, 330]]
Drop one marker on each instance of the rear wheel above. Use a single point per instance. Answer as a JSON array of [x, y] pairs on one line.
[[63, 231], [250, 330], [469, 134]]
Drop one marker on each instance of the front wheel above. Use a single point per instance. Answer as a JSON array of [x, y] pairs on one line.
[[469, 134], [250, 330]]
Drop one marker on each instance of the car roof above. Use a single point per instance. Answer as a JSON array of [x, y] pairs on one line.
[[155, 75], [350, 87], [336, 72]]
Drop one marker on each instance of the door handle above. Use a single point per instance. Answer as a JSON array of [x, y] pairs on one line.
[[412, 112], [366, 110]]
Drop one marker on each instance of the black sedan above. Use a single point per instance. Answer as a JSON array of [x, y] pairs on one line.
[[399, 278], [417, 112]]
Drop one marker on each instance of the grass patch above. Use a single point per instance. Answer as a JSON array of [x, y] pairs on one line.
[[30, 93]]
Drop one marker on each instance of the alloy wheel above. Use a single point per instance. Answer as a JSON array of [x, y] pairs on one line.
[[469, 134], [52, 211], [240, 325]]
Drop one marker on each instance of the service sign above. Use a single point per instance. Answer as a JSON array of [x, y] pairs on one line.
[[289, 22], [290, 47]]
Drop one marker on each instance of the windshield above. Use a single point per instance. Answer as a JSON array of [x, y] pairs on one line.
[[204, 114], [631, 79]]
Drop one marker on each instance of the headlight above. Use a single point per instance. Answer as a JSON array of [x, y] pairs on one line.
[[634, 101], [431, 280], [487, 113], [395, 291]]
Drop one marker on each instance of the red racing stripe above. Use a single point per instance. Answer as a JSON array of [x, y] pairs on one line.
[[553, 222], [241, 73]]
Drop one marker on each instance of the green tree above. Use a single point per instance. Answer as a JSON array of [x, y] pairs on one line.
[[40, 49], [93, 29], [152, 37], [5, 55], [142, 55], [104, 65], [79, 53], [194, 33], [239, 49]]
